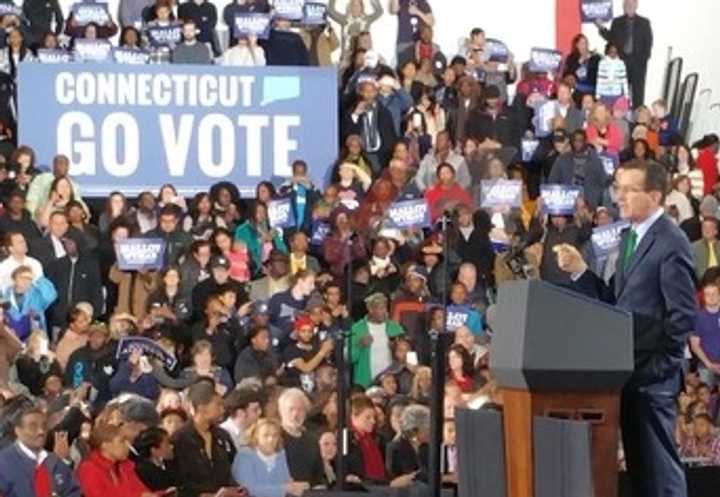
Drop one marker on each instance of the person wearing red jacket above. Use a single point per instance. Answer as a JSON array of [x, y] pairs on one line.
[[107, 471], [447, 193], [707, 161]]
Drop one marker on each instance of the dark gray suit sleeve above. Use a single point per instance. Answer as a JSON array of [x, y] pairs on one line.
[[594, 287], [677, 284]]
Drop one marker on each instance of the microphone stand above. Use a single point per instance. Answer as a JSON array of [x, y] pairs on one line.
[[438, 339]]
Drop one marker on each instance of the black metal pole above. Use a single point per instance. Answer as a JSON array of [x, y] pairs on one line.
[[437, 395], [341, 408], [344, 374]]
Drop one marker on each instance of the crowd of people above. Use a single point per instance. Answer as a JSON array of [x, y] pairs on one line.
[[249, 315]]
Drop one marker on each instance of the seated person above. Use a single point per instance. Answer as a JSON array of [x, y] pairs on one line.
[[261, 467]]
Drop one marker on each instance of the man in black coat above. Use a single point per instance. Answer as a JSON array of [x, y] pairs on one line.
[[582, 167], [372, 122], [495, 120], [285, 48], [50, 247], [633, 37], [655, 280], [40, 15], [77, 279], [206, 17]]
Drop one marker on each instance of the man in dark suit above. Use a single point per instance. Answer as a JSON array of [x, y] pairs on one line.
[[50, 247], [633, 37], [372, 122], [76, 277], [655, 281]]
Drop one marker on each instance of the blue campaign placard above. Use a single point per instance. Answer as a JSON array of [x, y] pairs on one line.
[[320, 231], [134, 127], [54, 56], [606, 239], [10, 9], [149, 347], [164, 36], [596, 10], [545, 60], [280, 213], [88, 50], [500, 193], [410, 214], [124, 55], [85, 13], [497, 51], [457, 316], [610, 162], [560, 200], [292, 10], [247, 24], [314, 14], [135, 254]]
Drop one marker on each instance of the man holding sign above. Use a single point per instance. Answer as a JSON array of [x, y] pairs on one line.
[[655, 281]]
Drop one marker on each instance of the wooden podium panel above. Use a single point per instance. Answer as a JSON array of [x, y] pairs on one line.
[[601, 410]]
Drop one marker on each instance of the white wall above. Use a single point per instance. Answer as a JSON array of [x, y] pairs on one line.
[[689, 27]]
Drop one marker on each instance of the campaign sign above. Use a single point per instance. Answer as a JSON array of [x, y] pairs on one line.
[[85, 13], [596, 10], [560, 200], [88, 50], [314, 14], [53, 56], [501, 193], [280, 213], [528, 149], [457, 316], [610, 162], [252, 24], [320, 231], [545, 60], [291, 10], [410, 214], [135, 254], [164, 36], [10, 9], [150, 348], [497, 51], [123, 55], [134, 127], [605, 239]]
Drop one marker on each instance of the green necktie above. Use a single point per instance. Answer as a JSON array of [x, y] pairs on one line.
[[630, 246]]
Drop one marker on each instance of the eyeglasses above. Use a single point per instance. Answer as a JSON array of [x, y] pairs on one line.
[[624, 190]]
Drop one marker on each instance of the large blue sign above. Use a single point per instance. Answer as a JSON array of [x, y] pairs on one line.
[[133, 128]]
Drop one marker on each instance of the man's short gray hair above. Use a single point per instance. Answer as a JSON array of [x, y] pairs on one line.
[[414, 418], [292, 394]]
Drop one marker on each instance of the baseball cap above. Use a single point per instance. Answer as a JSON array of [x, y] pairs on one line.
[[418, 271], [219, 261]]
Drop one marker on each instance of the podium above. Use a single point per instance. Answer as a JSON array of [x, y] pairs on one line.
[[558, 354]]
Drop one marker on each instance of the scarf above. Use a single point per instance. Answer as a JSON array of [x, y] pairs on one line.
[[373, 463], [370, 133]]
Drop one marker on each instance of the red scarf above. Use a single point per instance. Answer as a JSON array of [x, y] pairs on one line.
[[373, 463]]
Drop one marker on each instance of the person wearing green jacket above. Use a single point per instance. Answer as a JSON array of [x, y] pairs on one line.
[[370, 338], [259, 238]]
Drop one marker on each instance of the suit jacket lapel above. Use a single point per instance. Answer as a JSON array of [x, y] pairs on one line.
[[620, 263], [645, 244]]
